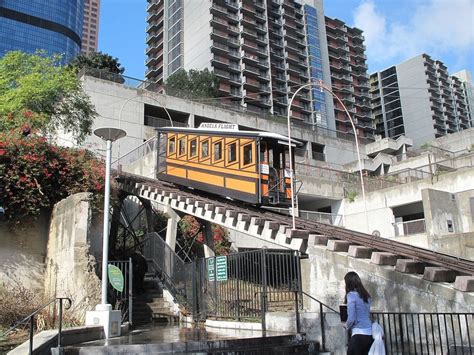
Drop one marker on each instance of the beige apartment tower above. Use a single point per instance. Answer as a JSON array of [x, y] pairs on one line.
[[90, 28]]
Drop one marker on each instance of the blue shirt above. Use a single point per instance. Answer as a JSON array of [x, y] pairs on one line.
[[358, 314]]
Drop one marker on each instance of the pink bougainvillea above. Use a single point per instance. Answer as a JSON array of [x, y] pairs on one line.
[[35, 174]]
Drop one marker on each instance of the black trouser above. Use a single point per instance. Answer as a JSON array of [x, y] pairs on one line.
[[359, 344]]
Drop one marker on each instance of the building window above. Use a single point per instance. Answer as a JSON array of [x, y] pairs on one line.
[[317, 152]]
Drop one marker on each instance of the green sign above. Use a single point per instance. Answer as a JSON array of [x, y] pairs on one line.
[[211, 270], [217, 265], [115, 277], [221, 268]]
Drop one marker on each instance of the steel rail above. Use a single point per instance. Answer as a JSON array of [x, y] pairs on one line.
[[460, 265]]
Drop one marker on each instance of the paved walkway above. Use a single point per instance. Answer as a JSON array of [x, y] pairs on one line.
[[175, 333]]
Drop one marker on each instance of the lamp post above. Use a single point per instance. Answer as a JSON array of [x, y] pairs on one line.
[[109, 135], [321, 85]]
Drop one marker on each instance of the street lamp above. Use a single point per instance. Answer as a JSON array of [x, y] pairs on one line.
[[321, 85], [109, 135], [103, 313], [141, 93]]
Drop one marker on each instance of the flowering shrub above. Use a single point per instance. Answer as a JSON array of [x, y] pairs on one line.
[[35, 174], [189, 226]]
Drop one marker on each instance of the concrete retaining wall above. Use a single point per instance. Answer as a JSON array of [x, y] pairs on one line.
[[323, 278], [69, 267], [22, 253]]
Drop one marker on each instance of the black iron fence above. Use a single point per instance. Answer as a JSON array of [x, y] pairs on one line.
[[427, 333], [226, 286], [243, 286]]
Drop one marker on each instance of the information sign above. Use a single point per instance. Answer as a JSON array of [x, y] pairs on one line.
[[115, 277], [211, 270], [221, 268]]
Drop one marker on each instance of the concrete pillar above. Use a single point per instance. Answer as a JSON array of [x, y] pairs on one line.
[[191, 121], [171, 227], [208, 240]]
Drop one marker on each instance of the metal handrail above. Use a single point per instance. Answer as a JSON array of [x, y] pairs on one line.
[[31, 318], [263, 303]]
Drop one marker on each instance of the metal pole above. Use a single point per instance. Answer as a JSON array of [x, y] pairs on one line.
[[297, 313], [32, 321], [130, 291], [60, 322], [105, 234], [321, 322]]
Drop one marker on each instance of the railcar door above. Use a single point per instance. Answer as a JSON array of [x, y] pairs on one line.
[[272, 172]]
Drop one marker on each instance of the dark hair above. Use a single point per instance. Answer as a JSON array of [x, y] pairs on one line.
[[353, 283]]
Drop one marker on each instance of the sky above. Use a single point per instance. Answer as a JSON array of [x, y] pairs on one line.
[[394, 30]]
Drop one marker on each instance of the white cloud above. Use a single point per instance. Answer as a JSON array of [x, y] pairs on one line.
[[436, 27]]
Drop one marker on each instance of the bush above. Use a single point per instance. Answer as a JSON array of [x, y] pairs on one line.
[[35, 174], [19, 302]]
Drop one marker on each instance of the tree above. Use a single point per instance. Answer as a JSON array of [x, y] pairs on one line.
[[195, 84], [97, 60], [37, 93], [99, 65]]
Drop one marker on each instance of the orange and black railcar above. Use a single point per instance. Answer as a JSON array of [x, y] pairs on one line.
[[220, 159]]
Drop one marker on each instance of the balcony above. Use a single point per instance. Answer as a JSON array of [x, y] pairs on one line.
[[154, 26], [153, 5], [155, 70], [155, 48], [154, 37]]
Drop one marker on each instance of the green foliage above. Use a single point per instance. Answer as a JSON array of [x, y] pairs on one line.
[[189, 227], [37, 92], [99, 65], [35, 174], [97, 60], [351, 195], [194, 84]]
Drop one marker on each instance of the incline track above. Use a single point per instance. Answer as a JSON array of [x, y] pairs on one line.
[[428, 257]]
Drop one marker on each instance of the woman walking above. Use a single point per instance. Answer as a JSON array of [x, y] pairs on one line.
[[358, 322]]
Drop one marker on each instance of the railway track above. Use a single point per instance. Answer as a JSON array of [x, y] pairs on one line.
[[135, 184]]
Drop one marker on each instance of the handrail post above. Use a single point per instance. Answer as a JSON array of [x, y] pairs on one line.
[[321, 321], [32, 321], [262, 311], [297, 313], [60, 322]]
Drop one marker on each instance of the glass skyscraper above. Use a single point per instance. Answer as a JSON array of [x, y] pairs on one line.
[[30, 25]]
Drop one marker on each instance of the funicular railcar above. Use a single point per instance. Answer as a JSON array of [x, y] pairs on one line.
[[249, 166]]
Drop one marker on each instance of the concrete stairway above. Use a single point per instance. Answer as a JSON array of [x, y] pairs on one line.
[[150, 306]]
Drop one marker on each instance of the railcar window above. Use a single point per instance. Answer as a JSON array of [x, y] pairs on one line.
[[172, 145], [232, 152], [205, 149], [193, 147], [182, 146], [218, 151], [248, 154]]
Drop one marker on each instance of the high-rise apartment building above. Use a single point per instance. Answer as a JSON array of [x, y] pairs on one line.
[[262, 50], [90, 29], [30, 25], [350, 81], [418, 98], [466, 80]]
